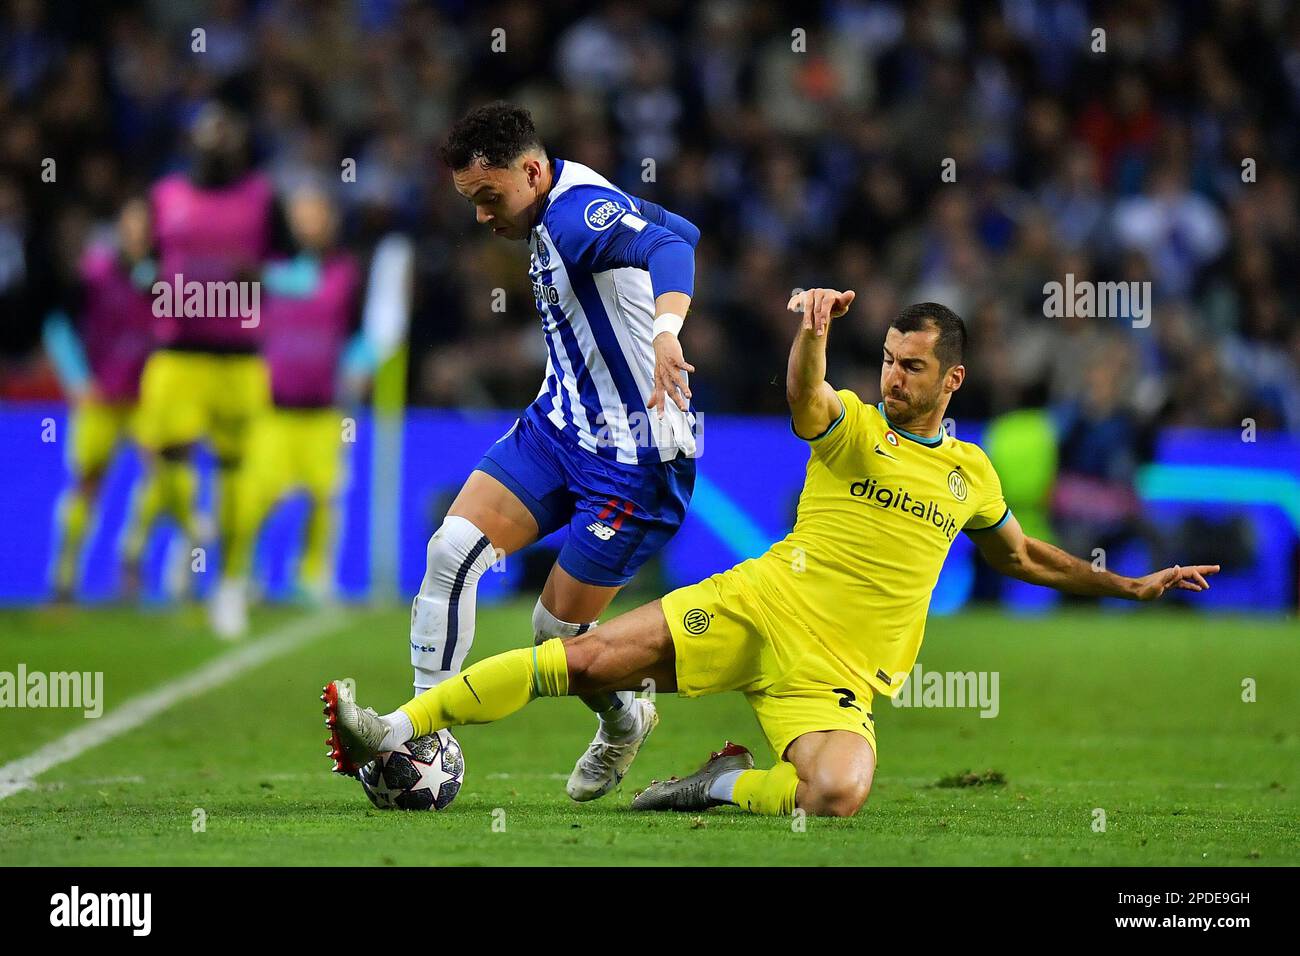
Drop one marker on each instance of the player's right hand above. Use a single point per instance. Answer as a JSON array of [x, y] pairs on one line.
[[819, 306], [1190, 578]]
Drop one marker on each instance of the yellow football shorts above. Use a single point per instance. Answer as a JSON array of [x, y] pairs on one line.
[[97, 429], [296, 448], [730, 634], [187, 396]]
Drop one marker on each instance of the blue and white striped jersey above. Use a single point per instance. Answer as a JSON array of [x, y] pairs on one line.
[[597, 305]]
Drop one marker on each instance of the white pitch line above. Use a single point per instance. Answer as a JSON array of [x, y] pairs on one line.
[[20, 774]]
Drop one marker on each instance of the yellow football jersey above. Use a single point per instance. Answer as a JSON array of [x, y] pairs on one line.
[[879, 510]]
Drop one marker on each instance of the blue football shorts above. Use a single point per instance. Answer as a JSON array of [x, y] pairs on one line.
[[618, 514]]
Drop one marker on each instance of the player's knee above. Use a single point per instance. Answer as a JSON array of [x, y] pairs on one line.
[[436, 553], [841, 801], [456, 543], [836, 794]]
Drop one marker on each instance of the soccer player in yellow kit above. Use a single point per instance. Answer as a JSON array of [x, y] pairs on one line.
[[813, 629]]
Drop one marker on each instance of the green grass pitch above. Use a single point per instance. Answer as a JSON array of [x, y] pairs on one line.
[[1139, 715]]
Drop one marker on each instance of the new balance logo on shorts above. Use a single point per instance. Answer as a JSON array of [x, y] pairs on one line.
[[605, 532]]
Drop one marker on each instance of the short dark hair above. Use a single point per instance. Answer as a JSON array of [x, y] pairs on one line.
[[497, 132], [950, 347]]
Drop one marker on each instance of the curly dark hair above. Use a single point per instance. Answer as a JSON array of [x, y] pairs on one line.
[[498, 132]]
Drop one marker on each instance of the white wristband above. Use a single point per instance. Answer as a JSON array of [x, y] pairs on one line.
[[668, 322]]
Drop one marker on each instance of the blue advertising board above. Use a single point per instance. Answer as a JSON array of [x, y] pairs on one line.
[[750, 474]]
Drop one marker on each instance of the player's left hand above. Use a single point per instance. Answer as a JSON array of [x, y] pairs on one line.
[[670, 365], [1191, 578]]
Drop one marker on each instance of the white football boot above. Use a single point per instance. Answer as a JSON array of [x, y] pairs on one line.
[[602, 767], [356, 733]]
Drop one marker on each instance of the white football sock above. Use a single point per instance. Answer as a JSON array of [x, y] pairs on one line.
[[619, 714], [442, 615], [400, 730], [616, 710], [724, 785]]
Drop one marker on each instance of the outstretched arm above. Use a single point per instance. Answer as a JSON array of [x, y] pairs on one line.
[[1009, 550], [814, 406]]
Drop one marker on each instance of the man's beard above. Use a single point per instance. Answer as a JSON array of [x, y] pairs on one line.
[[917, 409]]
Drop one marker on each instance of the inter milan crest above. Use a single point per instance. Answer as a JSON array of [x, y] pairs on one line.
[[696, 621], [957, 485]]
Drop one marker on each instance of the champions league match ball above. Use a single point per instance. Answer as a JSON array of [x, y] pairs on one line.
[[423, 774]]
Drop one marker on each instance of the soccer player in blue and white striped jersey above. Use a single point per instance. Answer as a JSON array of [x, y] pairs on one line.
[[607, 448]]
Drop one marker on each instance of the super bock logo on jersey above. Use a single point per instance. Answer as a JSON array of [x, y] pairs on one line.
[[600, 214]]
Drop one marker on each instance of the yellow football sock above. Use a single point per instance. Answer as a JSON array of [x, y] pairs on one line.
[[74, 515], [180, 483], [767, 792], [148, 501], [315, 570], [247, 507], [229, 524], [492, 689]]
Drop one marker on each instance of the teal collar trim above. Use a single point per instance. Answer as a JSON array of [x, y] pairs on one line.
[[934, 442]]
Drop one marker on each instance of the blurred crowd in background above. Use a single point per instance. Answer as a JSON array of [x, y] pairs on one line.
[[806, 141]]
